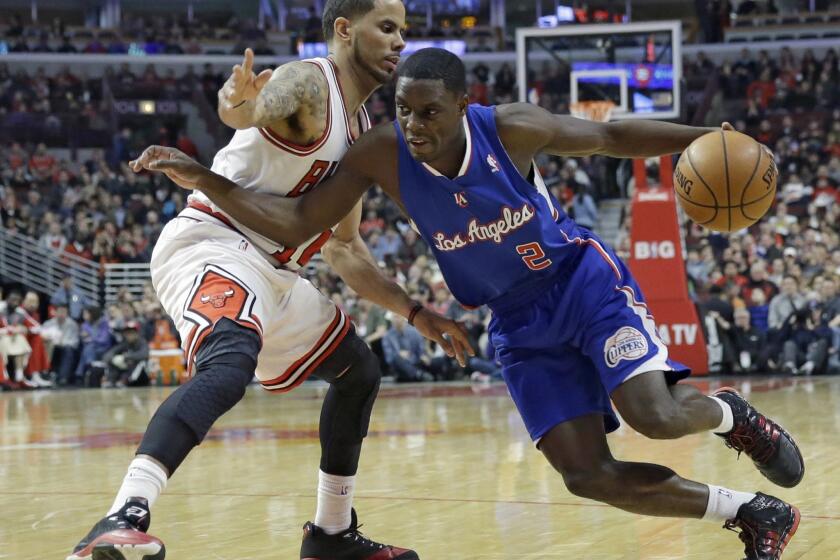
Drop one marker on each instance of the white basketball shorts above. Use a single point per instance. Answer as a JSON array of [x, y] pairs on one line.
[[202, 270]]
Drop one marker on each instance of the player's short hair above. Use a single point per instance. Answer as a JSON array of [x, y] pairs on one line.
[[334, 9], [436, 64]]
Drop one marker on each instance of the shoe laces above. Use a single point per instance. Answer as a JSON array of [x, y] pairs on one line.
[[359, 537], [756, 441], [770, 542]]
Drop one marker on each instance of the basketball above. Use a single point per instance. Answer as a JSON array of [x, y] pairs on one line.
[[725, 181]]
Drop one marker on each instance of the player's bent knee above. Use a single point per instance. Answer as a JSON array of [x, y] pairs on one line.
[[225, 366], [352, 366], [599, 483], [659, 422]]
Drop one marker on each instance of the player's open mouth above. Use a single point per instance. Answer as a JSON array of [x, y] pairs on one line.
[[417, 142]]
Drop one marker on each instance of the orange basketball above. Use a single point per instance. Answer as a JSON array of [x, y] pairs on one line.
[[725, 181]]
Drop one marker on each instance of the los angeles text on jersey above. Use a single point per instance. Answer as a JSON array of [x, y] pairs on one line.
[[509, 221]]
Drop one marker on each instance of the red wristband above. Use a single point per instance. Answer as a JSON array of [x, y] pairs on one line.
[[414, 311]]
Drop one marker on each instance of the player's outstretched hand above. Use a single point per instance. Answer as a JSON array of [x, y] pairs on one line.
[[243, 84], [451, 335], [181, 169]]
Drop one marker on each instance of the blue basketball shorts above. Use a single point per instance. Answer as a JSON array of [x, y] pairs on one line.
[[566, 349]]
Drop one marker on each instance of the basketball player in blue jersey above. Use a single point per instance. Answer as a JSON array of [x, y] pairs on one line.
[[570, 325]]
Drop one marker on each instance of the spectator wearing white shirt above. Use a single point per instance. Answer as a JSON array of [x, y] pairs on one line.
[[63, 332]]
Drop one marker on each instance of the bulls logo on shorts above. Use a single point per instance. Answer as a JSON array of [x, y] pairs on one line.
[[217, 293], [626, 344], [218, 300]]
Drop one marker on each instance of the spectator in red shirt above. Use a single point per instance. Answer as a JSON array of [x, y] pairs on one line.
[[765, 85], [758, 281], [372, 222], [42, 162], [731, 275], [16, 156], [186, 145]]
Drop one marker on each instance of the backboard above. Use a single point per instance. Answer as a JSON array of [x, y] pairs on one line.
[[637, 66]]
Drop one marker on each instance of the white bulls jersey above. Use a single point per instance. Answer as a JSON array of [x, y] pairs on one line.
[[258, 159]]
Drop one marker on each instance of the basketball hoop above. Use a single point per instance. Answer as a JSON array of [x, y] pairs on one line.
[[592, 110]]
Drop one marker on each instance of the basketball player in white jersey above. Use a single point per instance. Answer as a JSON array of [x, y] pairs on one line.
[[239, 305]]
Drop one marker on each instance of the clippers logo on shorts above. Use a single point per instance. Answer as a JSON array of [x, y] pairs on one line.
[[217, 300], [626, 344]]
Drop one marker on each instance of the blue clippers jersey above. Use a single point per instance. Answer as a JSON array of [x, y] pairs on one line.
[[492, 232]]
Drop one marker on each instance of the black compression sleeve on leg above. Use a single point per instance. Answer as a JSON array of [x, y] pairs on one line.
[[345, 414], [225, 366]]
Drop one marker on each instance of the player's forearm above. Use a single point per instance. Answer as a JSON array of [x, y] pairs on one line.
[[356, 267], [277, 218], [644, 138]]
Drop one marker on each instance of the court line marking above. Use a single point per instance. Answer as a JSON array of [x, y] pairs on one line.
[[357, 496]]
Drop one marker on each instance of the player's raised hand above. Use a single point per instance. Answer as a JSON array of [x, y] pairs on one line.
[[180, 168], [451, 335], [243, 84]]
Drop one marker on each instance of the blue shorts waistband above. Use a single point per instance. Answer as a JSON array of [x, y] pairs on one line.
[[529, 292]]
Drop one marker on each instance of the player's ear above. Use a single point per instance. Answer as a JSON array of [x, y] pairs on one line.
[[462, 105], [341, 29]]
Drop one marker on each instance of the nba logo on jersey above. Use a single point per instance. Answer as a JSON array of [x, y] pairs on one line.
[[461, 199], [494, 165]]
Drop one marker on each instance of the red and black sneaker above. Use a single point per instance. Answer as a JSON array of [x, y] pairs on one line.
[[771, 448], [122, 536], [766, 526], [347, 545]]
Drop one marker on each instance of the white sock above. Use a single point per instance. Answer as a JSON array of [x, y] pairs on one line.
[[728, 421], [724, 503], [144, 479], [335, 499]]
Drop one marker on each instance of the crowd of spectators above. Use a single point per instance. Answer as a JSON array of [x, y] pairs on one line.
[[769, 295], [174, 35], [78, 343], [100, 210]]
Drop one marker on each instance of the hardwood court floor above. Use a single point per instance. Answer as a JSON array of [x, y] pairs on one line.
[[447, 470]]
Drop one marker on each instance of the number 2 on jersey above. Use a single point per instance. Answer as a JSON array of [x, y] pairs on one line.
[[533, 255]]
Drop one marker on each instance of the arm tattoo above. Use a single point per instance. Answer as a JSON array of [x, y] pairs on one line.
[[291, 87]]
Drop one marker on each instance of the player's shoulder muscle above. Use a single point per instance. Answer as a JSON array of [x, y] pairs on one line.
[[294, 85], [374, 154], [523, 126]]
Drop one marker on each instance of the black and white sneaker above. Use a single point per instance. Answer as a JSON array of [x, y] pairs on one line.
[[121, 536], [348, 545], [766, 526], [770, 447]]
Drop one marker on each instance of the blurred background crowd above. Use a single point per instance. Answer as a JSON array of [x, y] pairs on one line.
[[769, 296]]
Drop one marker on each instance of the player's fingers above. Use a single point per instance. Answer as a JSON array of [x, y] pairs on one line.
[[465, 336], [444, 343], [460, 347], [249, 60], [262, 79], [727, 126], [147, 155]]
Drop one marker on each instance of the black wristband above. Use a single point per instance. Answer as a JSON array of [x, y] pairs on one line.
[[414, 311]]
